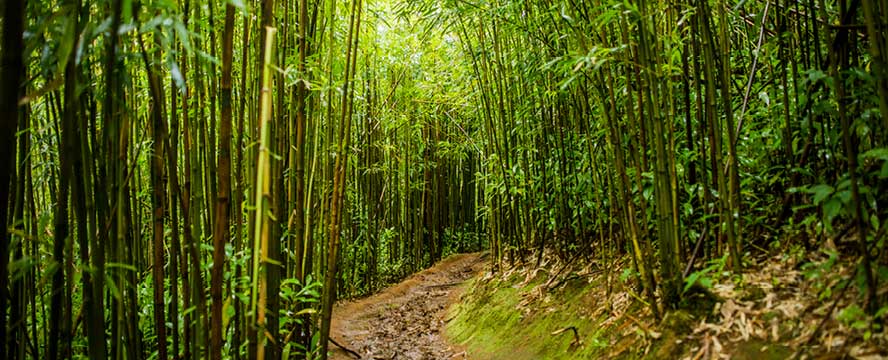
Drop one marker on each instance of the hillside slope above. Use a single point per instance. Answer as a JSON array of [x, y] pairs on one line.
[[781, 308]]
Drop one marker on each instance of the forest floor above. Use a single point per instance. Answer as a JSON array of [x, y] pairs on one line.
[[789, 305], [406, 320]]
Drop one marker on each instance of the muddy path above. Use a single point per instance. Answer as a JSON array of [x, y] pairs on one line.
[[406, 320]]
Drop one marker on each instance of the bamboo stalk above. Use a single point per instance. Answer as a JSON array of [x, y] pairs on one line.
[[262, 198]]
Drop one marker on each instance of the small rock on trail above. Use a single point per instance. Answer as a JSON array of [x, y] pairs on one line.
[[405, 321]]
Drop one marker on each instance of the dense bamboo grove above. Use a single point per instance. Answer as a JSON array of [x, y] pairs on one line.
[[185, 179]]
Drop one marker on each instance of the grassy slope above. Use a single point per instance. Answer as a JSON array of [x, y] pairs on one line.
[[509, 316]]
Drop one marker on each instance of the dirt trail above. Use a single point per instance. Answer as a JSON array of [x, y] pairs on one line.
[[404, 321]]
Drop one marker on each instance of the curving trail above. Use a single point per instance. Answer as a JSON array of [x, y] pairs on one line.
[[406, 320]]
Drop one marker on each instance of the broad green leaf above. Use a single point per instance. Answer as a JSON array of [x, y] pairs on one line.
[[285, 355], [815, 76], [820, 192], [877, 153], [832, 208], [691, 280]]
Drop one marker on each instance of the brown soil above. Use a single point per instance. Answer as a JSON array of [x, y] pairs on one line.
[[405, 321]]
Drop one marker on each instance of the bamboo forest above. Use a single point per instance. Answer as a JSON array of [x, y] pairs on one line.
[[443, 179]]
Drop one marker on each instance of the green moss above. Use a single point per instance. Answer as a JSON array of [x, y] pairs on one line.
[[679, 321], [505, 318], [490, 322]]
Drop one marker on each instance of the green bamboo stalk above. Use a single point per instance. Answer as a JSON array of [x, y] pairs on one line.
[[262, 197]]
